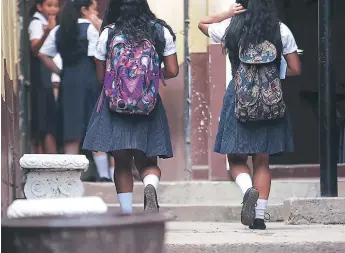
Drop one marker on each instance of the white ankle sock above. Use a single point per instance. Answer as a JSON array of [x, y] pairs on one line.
[[260, 208], [111, 173], [125, 200], [151, 179], [102, 165], [244, 181]]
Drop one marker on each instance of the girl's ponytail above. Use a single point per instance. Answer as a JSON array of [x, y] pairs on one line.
[[33, 8], [68, 20]]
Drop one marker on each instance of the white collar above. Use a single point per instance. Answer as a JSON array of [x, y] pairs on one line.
[[41, 18], [83, 20]]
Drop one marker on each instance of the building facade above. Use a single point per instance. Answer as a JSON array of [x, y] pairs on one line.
[[205, 71]]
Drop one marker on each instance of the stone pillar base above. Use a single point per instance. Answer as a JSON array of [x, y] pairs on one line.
[[53, 176]]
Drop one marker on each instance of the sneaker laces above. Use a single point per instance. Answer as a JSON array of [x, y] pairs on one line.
[[267, 217]]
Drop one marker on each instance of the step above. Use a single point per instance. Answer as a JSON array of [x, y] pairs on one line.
[[210, 213], [301, 171], [213, 192], [205, 237]]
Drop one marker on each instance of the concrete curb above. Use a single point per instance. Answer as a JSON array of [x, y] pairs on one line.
[[314, 211], [204, 237], [207, 213], [212, 192], [305, 247]]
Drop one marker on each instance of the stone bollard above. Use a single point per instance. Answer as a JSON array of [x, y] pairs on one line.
[[100, 233], [53, 176], [29, 208]]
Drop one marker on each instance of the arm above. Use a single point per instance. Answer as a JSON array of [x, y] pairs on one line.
[[36, 44], [171, 68], [49, 63], [100, 70], [290, 51], [293, 64], [98, 49], [96, 21], [217, 18], [39, 34]]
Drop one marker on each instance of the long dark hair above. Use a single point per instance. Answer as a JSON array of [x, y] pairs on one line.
[[134, 19], [33, 8], [68, 31], [259, 23]]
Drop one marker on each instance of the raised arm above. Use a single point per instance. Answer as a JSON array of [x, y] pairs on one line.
[[217, 18]]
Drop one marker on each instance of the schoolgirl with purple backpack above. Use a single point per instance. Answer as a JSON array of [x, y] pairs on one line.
[[129, 120]]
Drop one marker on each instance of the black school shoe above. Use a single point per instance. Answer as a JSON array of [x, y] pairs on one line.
[[248, 206], [105, 180], [150, 199], [258, 224]]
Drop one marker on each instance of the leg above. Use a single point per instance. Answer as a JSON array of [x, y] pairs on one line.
[[102, 164], [150, 173], [240, 172], [262, 175], [111, 167], [72, 147], [123, 179], [262, 182], [49, 144]]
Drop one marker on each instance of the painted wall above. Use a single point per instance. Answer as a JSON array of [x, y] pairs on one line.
[[10, 173]]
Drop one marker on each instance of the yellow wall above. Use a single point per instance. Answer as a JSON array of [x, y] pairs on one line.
[[197, 40], [172, 12], [9, 42]]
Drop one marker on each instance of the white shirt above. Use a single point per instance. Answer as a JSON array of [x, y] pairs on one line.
[[49, 47], [58, 61], [101, 48], [36, 30], [217, 31]]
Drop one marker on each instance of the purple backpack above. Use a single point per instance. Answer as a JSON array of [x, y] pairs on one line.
[[131, 81]]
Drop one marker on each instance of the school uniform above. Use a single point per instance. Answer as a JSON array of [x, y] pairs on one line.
[[79, 87], [268, 137], [58, 61], [43, 106], [109, 131]]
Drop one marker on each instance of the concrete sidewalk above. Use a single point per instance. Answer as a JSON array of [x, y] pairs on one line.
[[195, 237]]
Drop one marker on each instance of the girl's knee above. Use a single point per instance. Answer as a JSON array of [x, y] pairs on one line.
[[123, 160], [237, 159], [146, 165], [261, 161]]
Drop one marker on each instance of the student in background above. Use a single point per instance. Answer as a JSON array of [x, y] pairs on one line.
[[43, 106], [75, 40]]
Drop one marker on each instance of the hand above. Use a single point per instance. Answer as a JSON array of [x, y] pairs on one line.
[[236, 9], [94, 18], [51, 23]]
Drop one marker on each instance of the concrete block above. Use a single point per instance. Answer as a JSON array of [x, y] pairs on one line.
[[53, 176], [22, 208], [314, 211]]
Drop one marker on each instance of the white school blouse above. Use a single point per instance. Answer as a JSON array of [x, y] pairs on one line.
[[49, 47], [216, 31], [101, 47]]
